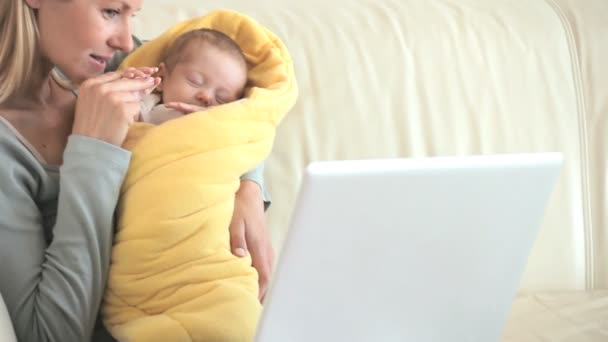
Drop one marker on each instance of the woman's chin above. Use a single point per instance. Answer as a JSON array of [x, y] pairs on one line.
[[79, 76]]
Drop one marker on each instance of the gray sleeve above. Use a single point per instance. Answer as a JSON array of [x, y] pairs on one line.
[[53, 292], [257, 175]]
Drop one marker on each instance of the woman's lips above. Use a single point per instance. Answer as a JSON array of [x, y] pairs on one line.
[[99, 62]]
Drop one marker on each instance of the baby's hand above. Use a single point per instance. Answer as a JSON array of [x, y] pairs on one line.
[[185, 108]]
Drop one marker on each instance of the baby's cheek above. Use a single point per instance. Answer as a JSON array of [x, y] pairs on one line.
[[179, 94]]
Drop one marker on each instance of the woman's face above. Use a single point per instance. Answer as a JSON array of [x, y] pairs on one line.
[[80, 36]]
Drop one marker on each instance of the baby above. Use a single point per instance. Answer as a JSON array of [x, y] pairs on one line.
[[173, 276], [203, 68]]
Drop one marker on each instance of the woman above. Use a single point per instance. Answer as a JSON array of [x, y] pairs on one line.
[[63, 165]]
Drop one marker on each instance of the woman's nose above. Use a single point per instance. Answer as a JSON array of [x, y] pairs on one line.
[[122, 39]]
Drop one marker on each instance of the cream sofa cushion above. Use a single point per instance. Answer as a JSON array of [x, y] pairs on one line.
[[414, 78], [409, 78], [586, 27], [564, 316], [6, 329]]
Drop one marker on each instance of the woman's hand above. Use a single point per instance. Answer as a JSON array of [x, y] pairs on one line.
[[109, 103], [248, 232], [140, 72]]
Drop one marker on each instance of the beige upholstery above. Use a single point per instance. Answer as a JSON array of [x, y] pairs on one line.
[[6, 329], [409, 78], [574, 316], [406, 78], [587, 27], [418, 78]]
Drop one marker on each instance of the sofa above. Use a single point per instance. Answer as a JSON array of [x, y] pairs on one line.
[[417, 78]]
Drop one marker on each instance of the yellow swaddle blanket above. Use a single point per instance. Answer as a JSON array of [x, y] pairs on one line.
[[173, 277]]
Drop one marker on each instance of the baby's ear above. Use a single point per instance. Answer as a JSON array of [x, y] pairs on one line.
[[162, 73], [162, 70]]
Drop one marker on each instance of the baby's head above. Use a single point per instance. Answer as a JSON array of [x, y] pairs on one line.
[[203, 67]]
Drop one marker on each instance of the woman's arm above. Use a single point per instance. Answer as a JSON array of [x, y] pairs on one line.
[[248, 231], [257, 176], [53, 291]]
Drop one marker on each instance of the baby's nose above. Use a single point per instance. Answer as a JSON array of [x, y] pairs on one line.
[[205, 97]]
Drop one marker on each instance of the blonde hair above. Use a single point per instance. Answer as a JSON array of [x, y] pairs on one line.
[[20, 61]]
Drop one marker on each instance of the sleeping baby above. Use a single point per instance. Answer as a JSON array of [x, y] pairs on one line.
[[203, 68], [187, 286]]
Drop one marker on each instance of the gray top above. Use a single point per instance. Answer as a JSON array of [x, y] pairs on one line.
[[56, 225]]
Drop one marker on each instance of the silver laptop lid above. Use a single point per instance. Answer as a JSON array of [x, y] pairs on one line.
[[428, 249]]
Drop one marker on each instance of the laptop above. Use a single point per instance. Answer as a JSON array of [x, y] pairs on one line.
[[422, 249]]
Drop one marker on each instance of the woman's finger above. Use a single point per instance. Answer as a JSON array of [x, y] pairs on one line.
[[133, 74], [145, 70], [148, 70], [238, 244], [128, 96], [139, 72], [104, 78], [134, 84], [262, 262]]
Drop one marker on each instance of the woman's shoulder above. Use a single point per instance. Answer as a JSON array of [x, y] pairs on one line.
[[13, 152], [8, 134]]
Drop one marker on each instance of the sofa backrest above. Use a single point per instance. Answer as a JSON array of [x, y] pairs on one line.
[[7, 334], [408, 78], [586, 27]]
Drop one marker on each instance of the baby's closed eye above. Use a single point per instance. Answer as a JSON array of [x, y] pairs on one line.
[[195, 79]]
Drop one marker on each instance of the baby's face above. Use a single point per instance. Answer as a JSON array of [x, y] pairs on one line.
[[207, 77]]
